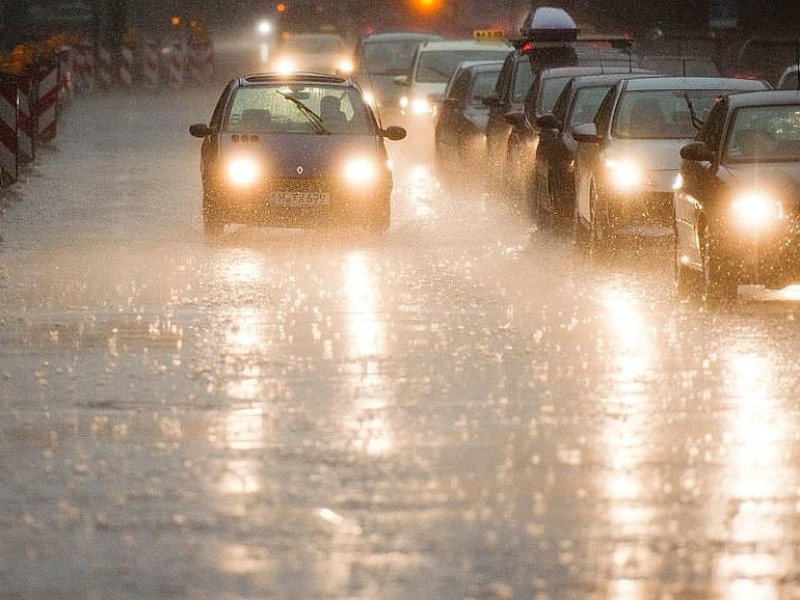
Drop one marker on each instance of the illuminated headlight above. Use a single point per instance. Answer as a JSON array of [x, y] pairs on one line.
[[361, 171], [756, 211], [403, 101], [242, 171], [677, 183], [369, 98], [624, 175], [345, 66], [285, 65], [421, 106], [264, 28]]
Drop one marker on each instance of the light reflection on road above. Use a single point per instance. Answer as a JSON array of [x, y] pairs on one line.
[[757, 484]]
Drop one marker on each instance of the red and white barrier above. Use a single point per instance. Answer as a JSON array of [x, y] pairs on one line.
[[201, 62], [25, 123], [66, 76], [150, 49], [47, 86], [104, 67], [176, 63], [126, 67], [9, 158]]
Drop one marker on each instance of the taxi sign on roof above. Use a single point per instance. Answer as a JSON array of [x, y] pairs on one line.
[[488, 34]]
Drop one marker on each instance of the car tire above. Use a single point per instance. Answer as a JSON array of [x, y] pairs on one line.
[[719, 284], [213, 224], [597, 243], [544, 218]]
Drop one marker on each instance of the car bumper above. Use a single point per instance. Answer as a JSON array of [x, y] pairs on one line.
[[640, 209]]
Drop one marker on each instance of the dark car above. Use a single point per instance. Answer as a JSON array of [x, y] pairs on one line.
[[552, 198], [294, 150], [460, 131], [551, 39], [737, 205], [762, 57], [628, 157], [523, 139], [378, 59]]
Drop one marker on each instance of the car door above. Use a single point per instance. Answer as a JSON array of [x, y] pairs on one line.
[[498, 103], [450, 123], [588, 153]]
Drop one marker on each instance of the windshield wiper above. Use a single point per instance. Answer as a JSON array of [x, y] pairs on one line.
[[698, 124], [313, 118]]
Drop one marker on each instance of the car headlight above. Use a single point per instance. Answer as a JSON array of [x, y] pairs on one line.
[[242, 171], [369, 98], [360, 171], [285, 65], [625, 175], [345, 66], [264, 28], [755, 210], [403, 101], [421, 106]]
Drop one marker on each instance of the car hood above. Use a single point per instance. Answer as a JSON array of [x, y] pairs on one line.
[[306, 155], [779, 178]]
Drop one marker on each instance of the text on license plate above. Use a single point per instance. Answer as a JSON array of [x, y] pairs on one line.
[[298, 198]]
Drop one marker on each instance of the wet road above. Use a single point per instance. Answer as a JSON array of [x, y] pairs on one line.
[[462, 408]]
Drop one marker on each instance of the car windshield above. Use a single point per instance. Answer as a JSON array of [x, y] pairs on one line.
[[314, 44], [390, 58], [662, 114], [764, 134], [587, 101], [437, 66], [269, 109]]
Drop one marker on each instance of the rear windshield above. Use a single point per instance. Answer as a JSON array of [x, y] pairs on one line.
[[270, 109], [437, 66]]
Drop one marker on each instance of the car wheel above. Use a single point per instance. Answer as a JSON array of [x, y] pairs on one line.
[[719, 283], [544, 218], [598, 242], [213, 224]]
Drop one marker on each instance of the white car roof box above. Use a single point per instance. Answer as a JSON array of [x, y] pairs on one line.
[[549, 24]]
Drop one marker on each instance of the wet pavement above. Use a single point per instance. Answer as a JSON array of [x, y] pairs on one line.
[[461, 408]]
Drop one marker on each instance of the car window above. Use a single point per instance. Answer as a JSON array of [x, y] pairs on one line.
[[482, 86], [562, 104], [459, 86], [549, 91], [389, 58], [437, 66], [522, 82], [586, 103], [504, 79], [789, 81], [764, 133], [661, 114], [602, 119], [268, 109]]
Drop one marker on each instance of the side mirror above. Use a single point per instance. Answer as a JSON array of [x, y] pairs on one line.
[[548, 121], [200, 130], [586, 132], [401, 80], [698, 152], [394, 133], [515, 118]]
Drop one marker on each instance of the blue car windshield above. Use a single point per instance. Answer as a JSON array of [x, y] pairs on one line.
[[270, 109]]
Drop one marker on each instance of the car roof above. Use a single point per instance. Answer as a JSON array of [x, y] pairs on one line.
[[576, 71], [611, 76], [438, 45], [399, 36], [297, 77], [764, 98], [693, 83], [479, 65]]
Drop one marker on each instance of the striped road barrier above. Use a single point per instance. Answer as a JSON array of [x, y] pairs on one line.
[[47, 88], [9, 157], [25, 123]]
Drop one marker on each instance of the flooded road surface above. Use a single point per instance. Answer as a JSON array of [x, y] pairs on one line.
[[461, 408]]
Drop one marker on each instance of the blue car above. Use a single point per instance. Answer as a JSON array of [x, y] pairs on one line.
[[294, 150]]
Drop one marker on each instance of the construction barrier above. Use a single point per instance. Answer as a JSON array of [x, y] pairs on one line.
[[150, 48], [46, 90], [126, 67], [104, 66], [25, 122], [200, 62], [9, 158], [176, 63]]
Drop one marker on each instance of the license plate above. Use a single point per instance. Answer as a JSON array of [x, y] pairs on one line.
[[299, 198]]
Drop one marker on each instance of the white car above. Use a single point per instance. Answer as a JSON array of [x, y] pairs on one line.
[[313, 52], [431, 68]]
